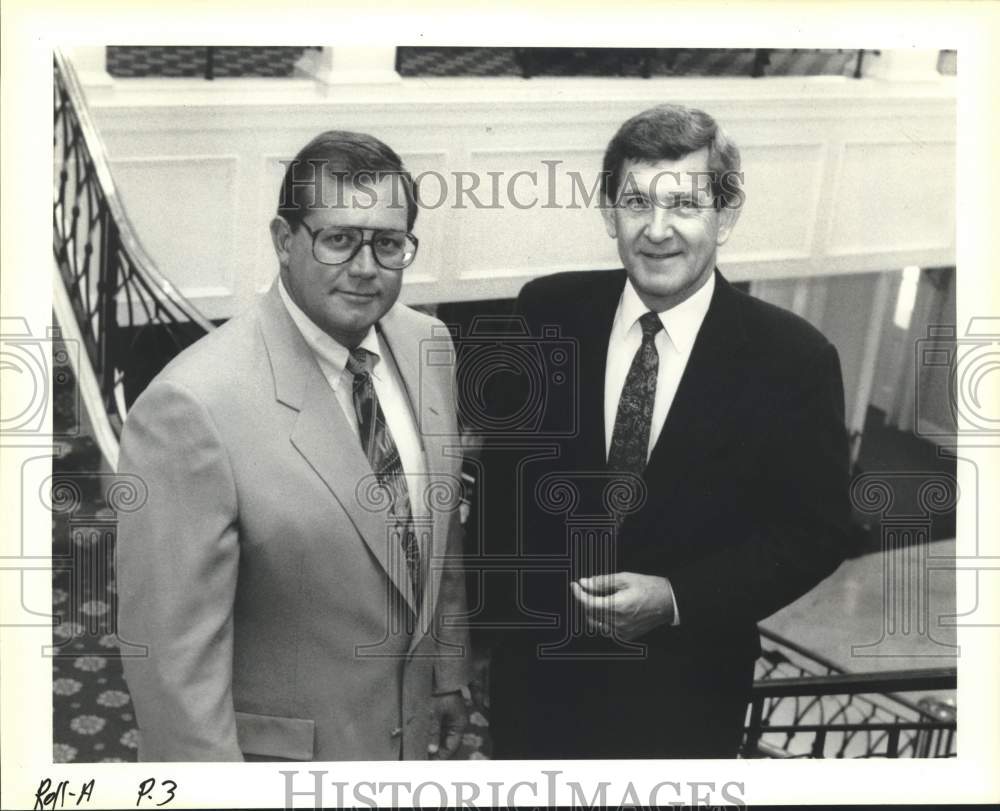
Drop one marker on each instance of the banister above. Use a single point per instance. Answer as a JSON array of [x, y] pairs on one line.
[[889, 681], [143, 265]]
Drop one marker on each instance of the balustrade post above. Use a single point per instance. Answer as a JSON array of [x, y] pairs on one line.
[[892, 743], [754, 729], [107, 285], [819, 744]]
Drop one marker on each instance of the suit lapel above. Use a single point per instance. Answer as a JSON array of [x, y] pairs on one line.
[[323, 435], [593, 333], [410, 347], [712, 377]]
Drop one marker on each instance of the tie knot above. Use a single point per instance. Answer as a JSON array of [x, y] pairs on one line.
[[650, 324], [360, 361]]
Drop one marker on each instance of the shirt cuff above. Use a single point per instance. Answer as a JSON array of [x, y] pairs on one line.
[[677, 614]]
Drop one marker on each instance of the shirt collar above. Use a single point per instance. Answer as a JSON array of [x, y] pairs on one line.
[[680, 323], [328, 351]]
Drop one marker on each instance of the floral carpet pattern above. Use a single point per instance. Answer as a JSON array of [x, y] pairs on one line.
[[92, 711]]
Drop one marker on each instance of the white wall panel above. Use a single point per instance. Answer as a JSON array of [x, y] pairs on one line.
[[841, 176], [183, 208], [894, 196], [783, 187], [547, 217]]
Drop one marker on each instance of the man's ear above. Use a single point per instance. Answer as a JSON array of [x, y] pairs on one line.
[[281, 235], [727, 222], [608, 213]]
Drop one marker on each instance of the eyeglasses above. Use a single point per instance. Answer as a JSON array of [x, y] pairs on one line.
[[339, 244]]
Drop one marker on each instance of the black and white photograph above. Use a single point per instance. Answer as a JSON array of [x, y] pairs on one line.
[[618, 412]]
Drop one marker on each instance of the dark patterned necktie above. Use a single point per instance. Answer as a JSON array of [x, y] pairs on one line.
[[630, 438], [383, 456]]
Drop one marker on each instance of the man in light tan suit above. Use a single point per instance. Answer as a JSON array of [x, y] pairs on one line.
[[293, 570]]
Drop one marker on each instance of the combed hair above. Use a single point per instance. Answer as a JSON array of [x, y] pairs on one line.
[[669, 132], [344, 156]]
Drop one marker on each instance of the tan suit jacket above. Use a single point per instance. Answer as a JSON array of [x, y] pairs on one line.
[[259, 571]]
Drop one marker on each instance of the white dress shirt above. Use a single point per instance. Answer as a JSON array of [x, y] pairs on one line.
[[389, 388], [673, 345]]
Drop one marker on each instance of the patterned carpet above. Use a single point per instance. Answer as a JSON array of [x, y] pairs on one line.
[[92, 712], [93, 719]]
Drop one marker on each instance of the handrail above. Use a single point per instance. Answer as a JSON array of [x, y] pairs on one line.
[[784, 642], [899, 681], [114, 289], [803, 705], [144, 265], [831, 667]]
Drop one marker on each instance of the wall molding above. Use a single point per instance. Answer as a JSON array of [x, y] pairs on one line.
[[452, 125]]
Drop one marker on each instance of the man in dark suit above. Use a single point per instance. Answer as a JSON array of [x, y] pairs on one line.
[[688, 481]]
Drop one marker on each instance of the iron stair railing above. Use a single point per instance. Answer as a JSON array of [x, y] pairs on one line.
[[116, 293], [804, 706]]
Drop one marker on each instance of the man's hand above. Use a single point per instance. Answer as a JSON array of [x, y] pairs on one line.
[[625, 605], [448, 721]]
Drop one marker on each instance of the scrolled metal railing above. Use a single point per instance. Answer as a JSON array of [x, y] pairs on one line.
[[116, 293], [804, 706]]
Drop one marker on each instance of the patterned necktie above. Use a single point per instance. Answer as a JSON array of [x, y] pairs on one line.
[[630, 438], [378, 445]]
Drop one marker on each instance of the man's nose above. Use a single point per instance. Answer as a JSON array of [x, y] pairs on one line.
[[660, 225], [363, 265]]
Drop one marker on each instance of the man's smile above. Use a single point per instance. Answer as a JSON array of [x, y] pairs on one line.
[[352, 295], [660, 254]]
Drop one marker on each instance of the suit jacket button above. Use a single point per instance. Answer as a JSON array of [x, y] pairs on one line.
[[397, 732]]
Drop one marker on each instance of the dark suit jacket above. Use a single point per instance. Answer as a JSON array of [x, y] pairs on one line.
[[745, 508]]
